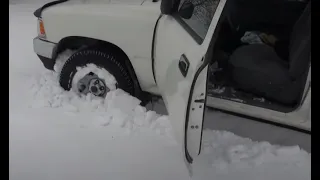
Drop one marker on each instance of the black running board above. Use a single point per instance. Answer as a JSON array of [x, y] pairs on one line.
[[38, 12]]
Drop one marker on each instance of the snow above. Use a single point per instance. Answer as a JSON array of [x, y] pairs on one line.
[[61, 59], [55, 134], [226, 156], [108, 78]]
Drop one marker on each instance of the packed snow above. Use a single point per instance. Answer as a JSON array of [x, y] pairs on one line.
[[56, 134], [109, 80]]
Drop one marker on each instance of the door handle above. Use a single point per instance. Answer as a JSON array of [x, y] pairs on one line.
[[184, 65]]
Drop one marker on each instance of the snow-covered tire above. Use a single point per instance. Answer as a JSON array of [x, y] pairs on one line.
[[100, 58]]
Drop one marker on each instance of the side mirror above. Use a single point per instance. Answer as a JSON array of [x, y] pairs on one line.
[[186, 10], [167, 6]]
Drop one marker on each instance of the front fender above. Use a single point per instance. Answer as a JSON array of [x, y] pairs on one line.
[[129, 27]]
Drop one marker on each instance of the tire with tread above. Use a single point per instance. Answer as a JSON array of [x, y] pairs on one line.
[[101, 58]]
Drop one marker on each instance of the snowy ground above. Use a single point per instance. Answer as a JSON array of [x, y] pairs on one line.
[[57, 135]]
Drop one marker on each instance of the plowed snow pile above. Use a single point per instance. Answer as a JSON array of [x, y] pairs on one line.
[[57, 135]]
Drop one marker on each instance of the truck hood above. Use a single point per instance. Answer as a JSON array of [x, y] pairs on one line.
[[149, 3]]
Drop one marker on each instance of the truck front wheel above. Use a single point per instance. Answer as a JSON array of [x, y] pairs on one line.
[[95, 71]]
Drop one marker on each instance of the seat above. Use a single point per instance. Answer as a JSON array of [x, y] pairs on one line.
[[258, 69]]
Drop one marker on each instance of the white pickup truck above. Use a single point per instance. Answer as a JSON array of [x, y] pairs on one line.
[[241, 56]]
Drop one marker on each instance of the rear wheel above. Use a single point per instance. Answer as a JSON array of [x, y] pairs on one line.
[[95, 71]]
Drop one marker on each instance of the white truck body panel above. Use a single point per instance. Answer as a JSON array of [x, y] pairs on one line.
[[185, 113]]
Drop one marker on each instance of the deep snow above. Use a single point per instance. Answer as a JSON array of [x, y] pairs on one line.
[[55, 134]]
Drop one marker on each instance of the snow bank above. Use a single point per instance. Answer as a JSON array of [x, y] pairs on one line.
[[227, 156], [224, 155], [118, 108]]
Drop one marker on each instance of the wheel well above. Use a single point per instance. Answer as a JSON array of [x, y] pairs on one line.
[[76, 42]]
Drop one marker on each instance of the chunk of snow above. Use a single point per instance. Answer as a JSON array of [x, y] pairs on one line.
[[62, 59], [108, 78]]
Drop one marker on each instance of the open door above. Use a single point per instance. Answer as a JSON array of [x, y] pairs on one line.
[[180, 67]]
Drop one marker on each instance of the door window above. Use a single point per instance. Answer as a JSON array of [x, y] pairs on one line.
[[200, 20]]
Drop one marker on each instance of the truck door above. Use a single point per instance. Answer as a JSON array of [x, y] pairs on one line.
[[180, 68]]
